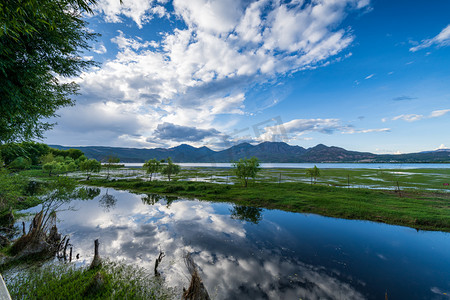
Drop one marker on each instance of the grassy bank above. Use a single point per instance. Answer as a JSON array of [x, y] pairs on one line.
[[65, 281], [421, 210]]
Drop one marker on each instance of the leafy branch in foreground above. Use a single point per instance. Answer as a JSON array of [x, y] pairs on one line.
[[41, 41]]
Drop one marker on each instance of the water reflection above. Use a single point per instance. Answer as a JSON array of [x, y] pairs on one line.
[[246, 213], [107, 201], [272, 255]]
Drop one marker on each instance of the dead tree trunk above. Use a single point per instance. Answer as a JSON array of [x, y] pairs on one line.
[[97, 261]]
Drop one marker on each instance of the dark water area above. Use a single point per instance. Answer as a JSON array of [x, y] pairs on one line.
[[249, 253]]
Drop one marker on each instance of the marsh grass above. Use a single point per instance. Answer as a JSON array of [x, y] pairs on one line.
[[114, 280]]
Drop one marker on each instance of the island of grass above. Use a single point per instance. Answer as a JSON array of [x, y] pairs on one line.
[[416, 209]]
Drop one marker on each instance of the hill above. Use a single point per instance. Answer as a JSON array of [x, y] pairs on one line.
[[275, 152]]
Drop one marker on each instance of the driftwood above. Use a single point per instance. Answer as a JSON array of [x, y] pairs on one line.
[[196, 290]]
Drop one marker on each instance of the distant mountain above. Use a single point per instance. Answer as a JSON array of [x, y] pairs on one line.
[[276, 152]]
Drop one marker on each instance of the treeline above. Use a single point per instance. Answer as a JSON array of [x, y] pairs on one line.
[[27, 154]]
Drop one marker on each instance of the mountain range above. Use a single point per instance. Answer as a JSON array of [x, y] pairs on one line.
[[273, 152]]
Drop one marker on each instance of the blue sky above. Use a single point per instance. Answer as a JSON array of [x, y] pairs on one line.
[[364, 75]]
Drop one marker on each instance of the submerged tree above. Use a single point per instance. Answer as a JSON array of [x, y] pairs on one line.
[[313, 173], [41, 41], [152, 166], [170, 168], [244, 169]]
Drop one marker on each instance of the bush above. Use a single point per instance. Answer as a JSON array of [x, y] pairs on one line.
[[20, 163]]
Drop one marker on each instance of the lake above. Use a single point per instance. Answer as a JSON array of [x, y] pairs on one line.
[[248, 253], [319, 165]]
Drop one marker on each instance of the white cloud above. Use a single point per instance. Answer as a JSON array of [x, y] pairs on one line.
[[140, 11], [295, 129], [439, 113], [408, 118], [442, 39], [205, 67], [415, 117], [352, 131], [369, 76], [442, 146], [100, 49]]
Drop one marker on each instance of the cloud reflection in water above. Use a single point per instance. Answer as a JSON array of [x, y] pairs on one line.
[[233, 261]]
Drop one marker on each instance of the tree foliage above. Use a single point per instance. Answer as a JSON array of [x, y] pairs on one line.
[[170, 168], [90, 166], [111, 161], [29, 150], [246, 168], [152, 166], [41, 41], [313, 173]]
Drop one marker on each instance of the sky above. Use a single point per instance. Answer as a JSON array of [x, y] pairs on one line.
[[365, 75]]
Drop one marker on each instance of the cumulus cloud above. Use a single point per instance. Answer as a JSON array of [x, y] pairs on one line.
[[140, 11], [295, 129], [442, 39], [168, 131], [214, 53]]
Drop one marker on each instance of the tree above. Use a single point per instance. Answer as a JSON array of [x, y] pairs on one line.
[[90, 166], [170, 168], [29, 150], [244, 169], [313, 173], [51, 167], [20, 163], [110, 162], [152, 166], [41, 41]]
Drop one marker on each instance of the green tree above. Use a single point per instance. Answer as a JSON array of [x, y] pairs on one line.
[[152, 166], [50, 167], [20, 163], [170, 168], [41, 41], [29, 150], [90, 166], [110, 162], [313, 173], [244, 169]]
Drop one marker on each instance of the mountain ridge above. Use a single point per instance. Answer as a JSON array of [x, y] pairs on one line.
[[269, 152]]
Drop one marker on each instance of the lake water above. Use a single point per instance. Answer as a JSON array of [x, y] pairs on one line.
[[319, 165], [248, 253]]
